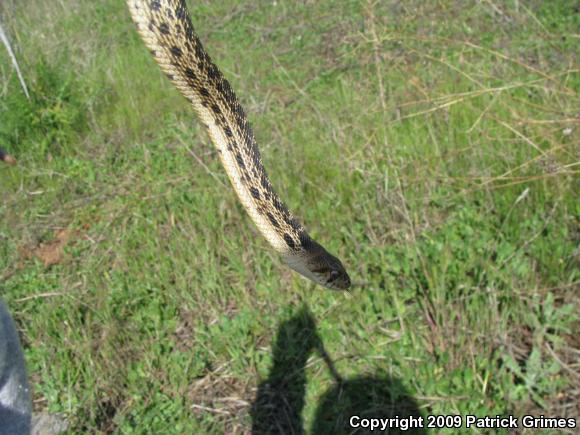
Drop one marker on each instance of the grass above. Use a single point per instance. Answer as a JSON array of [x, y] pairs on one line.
[[432, 145]]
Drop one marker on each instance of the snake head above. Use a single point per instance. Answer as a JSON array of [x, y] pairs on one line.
[[317, 264], [331, 274]]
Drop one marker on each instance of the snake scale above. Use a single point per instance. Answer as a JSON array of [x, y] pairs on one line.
[[165, 27]]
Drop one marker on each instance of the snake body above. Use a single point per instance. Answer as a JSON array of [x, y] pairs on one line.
[[166, 29]]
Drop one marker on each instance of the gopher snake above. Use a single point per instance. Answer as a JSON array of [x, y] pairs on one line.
[[166, 29]]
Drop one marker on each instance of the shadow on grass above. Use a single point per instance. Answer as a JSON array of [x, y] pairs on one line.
[[278, 406]]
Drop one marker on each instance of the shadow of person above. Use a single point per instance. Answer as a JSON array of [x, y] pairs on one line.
[[279, 402], [280, 399], [348, 406]]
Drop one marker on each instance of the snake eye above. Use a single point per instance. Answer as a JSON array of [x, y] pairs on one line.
[[333, 276]]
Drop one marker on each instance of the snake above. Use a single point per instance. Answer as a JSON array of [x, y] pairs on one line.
[[166, 29]]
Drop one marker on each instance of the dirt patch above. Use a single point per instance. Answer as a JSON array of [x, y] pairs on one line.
[[52, 252]]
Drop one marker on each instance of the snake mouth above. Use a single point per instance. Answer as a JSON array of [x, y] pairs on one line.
[[330, 279]]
